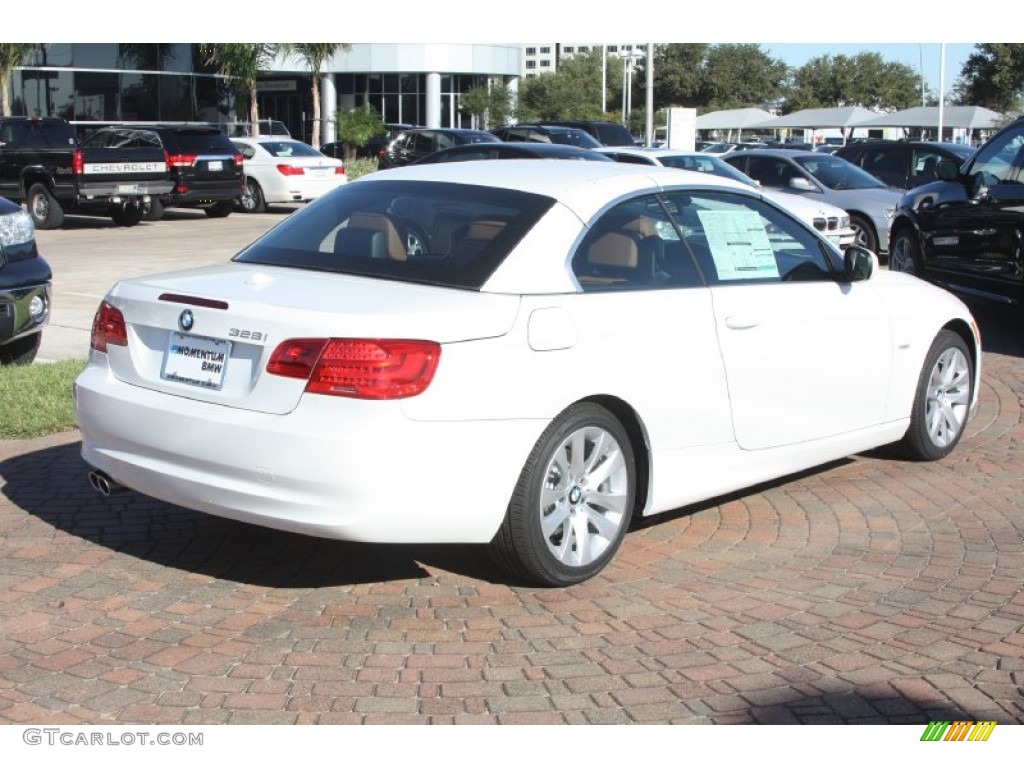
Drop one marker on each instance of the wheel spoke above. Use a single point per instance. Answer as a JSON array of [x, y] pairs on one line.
[[606, 525], [607, 502], [576, 447], [612, 463], [550, 522]]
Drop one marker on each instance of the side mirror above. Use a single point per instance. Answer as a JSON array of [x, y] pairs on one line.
[[860, 263], [801, 184], [947, 170]]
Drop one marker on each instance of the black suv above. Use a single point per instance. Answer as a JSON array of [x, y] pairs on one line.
[[419, 142], [547, 134], [607, 133], [24, 287], [903, 164], [204, 165], [963, 232]]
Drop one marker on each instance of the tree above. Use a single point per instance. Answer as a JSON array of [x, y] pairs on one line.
[[489, 104], [356, 127], [740, 75], [992, 77], [314, 55], [243, 62], [571, 93], [12, 55], [678, 74], [864, 80]]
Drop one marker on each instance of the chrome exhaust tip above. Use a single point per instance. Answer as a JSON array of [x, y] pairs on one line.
[[104, 483]]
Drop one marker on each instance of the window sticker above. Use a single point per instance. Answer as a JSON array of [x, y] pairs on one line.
[[739, 245]]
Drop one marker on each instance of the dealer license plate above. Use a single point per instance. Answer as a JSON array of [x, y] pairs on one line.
[[215, 165], [196, 360]]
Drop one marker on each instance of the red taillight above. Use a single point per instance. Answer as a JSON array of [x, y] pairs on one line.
[[339, 171], [108, 328], [290, 170], [181, 161], [239, 160], [77, 163], [369, 369]]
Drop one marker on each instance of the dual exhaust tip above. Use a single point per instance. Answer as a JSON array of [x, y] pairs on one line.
[[104, 483]]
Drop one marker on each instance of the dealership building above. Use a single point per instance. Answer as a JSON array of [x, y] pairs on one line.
[[99, 83]]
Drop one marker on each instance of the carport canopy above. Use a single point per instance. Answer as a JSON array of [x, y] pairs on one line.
[[730, 119], [829, 117], [928, 117]]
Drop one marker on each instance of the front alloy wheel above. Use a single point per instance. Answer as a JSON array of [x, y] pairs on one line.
[[903, 257], [574, 500]]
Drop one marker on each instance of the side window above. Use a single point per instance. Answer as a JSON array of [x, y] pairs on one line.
[[741, 240], [924, 165], [996, 159], [771, 172], [885, 160], [634, 246]]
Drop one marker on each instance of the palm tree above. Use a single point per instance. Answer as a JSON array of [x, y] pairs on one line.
[[11, 55], [315, 55], [244, 62]]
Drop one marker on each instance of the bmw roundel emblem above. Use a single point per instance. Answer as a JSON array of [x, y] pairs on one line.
[[186, 321]]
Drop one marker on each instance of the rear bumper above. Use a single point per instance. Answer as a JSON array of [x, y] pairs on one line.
[[334, 468], [124, 190]]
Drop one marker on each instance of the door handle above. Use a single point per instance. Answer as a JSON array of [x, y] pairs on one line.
[[741, 322]]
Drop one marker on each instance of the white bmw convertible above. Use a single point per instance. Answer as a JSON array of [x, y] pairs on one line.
[[525, 354]]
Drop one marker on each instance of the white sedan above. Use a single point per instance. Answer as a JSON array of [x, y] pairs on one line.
[[567, 347], [283, 170], [831, 221]]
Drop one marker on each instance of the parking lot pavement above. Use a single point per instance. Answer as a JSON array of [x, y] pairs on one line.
[[89, 254], [871, 590]]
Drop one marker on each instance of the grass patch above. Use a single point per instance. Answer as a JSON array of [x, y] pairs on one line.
[[36, 399], [360, 167]]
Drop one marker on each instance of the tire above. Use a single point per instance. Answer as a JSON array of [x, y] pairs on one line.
[[220, 210], [21, 351], [568, 515], [252, 200], [127, 215], [904, 255], [45, 210], [942, 402], [864, 233], [153, 210]]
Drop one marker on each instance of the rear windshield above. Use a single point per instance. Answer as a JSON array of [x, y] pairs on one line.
[[444, 234], [199, 141], [289, 149]]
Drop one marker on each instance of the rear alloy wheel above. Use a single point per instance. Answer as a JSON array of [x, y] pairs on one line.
[[943, 400], [573, 503], [252, 200], [220, 210], [904, 255], [44, 208], [21, 351], [864, 233]]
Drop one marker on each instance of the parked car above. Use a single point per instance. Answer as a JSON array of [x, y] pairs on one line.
[[870, 203], [904, 164], [24, 287], [964, 231], [373, 145], [279, 170], [832, 222], [205, 167], [718, 148], [511, 150], [546, 134], [607, 133], [419, 142], [581, 343], [43, 165]]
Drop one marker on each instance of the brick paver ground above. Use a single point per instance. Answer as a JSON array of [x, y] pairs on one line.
[[869, 591]]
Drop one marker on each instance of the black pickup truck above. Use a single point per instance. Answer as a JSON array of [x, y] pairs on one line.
[[24, 287], [43, 165]]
